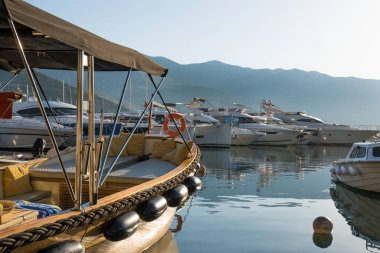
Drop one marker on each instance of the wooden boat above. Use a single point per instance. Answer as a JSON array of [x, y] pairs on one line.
[[361, 211], [126, 187], [361, 167]]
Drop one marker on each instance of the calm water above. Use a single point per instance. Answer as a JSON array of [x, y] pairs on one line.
[[264, 199]]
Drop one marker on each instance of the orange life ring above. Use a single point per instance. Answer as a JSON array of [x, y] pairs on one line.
[[175, 116]]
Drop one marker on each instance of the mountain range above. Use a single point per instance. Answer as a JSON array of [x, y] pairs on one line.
[[345, 100]]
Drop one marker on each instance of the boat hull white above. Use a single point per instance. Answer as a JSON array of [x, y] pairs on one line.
[[218, 135], [213, 135], [243, 137], [339, 136], [24, 136]]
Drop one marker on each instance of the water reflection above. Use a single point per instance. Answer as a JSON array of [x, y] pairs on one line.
[[362, 213], [273, 167], [264, 199]]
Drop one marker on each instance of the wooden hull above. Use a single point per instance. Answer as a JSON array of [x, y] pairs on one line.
[[361, 211], [366, 177], [87, 224]]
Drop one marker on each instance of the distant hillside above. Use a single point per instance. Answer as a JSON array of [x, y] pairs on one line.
[[347, 100], [54, 90]]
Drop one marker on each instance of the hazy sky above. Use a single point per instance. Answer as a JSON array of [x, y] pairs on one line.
[[340, 38]]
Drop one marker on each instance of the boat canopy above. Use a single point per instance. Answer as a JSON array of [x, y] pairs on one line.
[[52, 43]]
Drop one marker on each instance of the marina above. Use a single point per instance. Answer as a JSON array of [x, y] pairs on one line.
[[155, 156]]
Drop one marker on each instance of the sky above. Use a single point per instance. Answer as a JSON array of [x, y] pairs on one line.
[[336, 37]]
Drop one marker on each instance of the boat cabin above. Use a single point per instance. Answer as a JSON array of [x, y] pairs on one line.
[[364, 151]]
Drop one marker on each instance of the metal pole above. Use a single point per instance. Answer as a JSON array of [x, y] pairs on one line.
[[79, 132], [92, 183], [103, 178], [34, 85], [114, 123]]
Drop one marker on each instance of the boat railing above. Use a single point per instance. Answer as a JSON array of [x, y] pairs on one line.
[[368, 127]]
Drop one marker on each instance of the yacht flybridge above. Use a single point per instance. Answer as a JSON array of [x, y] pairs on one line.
[[321, 132], [125, 188]]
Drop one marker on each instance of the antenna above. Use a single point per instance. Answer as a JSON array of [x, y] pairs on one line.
[[63, 91]]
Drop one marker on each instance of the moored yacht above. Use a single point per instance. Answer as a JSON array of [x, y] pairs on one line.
[[321, 132], [19, 132], [60, 113], [264, 134], [204, 130]]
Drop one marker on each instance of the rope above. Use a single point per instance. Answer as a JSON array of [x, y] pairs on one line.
[[129, 203]]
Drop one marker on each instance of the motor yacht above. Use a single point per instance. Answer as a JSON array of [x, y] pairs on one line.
[[60, 113], [203, 129], [264, 134], [21, 133], [321, 132]]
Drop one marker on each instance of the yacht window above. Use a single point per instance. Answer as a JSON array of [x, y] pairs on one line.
[[376, 152], [361, 152], [245, 120], [33, 112], [159, 119], [65, 111], [310, 120], [353, 153]]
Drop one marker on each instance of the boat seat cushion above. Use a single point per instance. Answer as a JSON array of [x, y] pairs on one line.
[[178, 155], [116, 144], [16, 180], [135, 145], [148, 169], [163, 147], [33, 196]]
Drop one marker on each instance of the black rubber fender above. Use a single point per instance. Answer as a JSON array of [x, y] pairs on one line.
[[67, 246], [121, 227], [152, 209], [193, 184], [177, 195]]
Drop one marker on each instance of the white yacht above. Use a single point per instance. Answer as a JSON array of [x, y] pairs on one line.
[[264, 134], [19, 132], [321, 132], [60, 113], [204, 130]]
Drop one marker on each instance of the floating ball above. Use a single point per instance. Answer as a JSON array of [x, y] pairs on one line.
[[322, 225], [322, 240]]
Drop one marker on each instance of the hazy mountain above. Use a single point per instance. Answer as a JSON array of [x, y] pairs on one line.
[[347, 100]]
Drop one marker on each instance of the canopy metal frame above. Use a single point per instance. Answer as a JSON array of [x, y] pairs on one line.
[[105, 172], [33, 81]]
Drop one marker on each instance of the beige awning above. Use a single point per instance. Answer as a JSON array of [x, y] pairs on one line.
[[51, 42]]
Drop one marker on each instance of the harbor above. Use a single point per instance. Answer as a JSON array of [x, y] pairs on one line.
[[104, 148]]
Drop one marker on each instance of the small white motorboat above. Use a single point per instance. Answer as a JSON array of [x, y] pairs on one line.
[[361, 168]]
